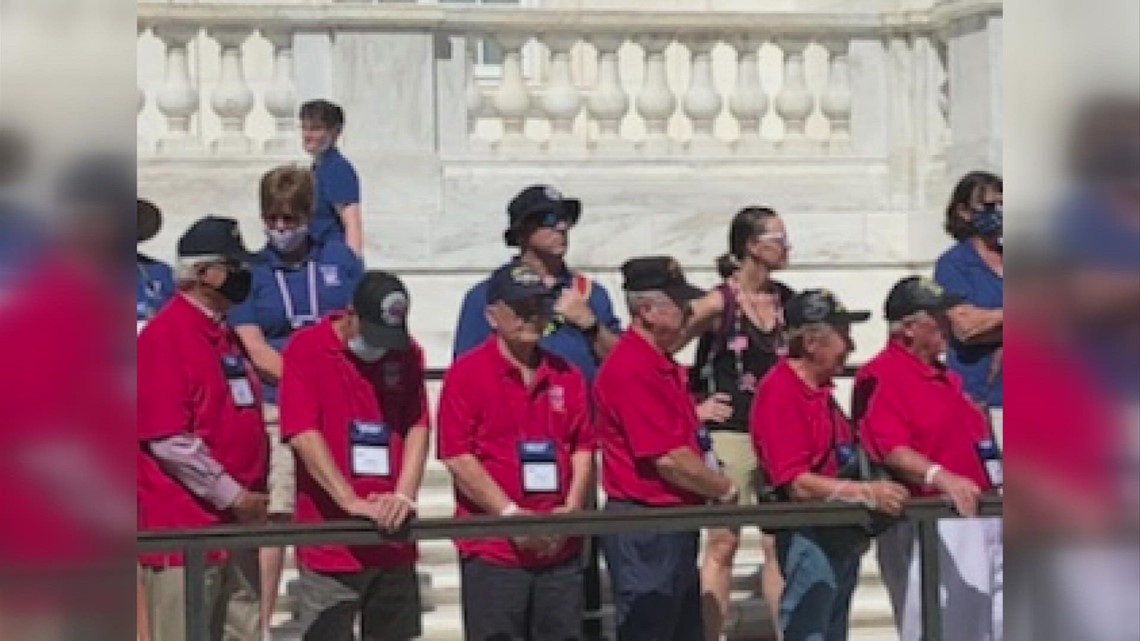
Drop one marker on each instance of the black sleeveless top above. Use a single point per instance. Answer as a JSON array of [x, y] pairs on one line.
[[734, 357]]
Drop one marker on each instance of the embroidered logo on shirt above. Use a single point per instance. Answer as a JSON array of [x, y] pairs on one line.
[[557, 398], [331, 275]]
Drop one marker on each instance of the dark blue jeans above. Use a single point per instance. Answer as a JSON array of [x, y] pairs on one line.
[[656, 584]]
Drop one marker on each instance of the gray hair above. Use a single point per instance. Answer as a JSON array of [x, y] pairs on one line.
[[634, 300], [798, 337], [895, 327], [186, 269]]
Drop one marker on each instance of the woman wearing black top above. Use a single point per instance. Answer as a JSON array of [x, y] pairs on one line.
[[741, 330]]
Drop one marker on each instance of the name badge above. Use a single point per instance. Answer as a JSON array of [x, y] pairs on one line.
[[331, 275], [539, 466], [240, 388], [369, 442], [991, 459], [704, 439]]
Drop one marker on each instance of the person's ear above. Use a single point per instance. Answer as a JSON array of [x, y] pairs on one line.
[[491, 316]]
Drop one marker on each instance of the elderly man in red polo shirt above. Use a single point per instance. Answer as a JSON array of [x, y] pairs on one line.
[[807, 447], [917, 419], [354, 409], [655, 455], [514, 431], [204, 451]]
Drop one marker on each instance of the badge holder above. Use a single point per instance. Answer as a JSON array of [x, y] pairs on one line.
[[990, 456], [539, 467], [704, 439], [370, 445], [238, 379]]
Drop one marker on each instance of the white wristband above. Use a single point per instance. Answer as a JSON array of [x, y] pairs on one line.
[[511, 509], [931, 472], [406, 500]]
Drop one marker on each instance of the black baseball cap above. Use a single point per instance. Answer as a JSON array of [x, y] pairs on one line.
[[819, 306], [214, 236], [149, 220], [381, 302], [659, 273], [538, 200], [915, 294], [515, 281]]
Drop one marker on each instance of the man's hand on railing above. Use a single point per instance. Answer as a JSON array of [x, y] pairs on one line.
[[962, 491], [886, 496], [251, 507], [392, 510]]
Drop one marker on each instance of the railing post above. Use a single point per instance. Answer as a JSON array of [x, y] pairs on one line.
[[928, 546], [197, 614]]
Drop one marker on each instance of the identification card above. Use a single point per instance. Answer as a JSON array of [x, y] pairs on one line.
[[704, 439], [240, 388], [370, 445], [991, 459], [539, 466]]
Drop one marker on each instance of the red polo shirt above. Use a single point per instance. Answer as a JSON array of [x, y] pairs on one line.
[[644, 411], [795, 427], [903, 402], [182, 388], [325, 388], [486, 410]]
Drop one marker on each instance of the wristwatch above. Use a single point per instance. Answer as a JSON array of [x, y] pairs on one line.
[[591, 331]]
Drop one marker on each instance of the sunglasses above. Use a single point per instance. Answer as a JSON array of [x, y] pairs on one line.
[[551, 219], [530, 308], [775, 237]]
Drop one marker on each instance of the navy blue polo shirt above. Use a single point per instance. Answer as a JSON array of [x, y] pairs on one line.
[[154, 285], [337, 186], [282, 298], [567, 342], [961, 270]]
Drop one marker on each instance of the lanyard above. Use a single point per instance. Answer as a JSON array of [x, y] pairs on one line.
[[287, 300], [151, 286]]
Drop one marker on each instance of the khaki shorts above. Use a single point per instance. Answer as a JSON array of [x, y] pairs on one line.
[[282, 468], [233, 594], [734, 450]]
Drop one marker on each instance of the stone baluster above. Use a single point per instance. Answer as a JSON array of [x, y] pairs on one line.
[[232, 99], [512, 100], [794, 102], [656, 102], [702, 103], [608, 102], [177, 99], [835, 103], [562, 101], [477, 103], [142, 143], [749, 102], [281, 96]]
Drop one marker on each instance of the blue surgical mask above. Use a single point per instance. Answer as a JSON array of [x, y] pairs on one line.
[[287, 240], [989, 222], [364, 351]]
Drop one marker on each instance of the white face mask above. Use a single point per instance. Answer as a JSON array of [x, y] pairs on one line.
[[364, 351], [287, 240]]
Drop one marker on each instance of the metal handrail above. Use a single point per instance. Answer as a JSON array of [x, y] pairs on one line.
[[196, 543]]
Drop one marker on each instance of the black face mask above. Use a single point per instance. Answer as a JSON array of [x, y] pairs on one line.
[[237, 285]]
